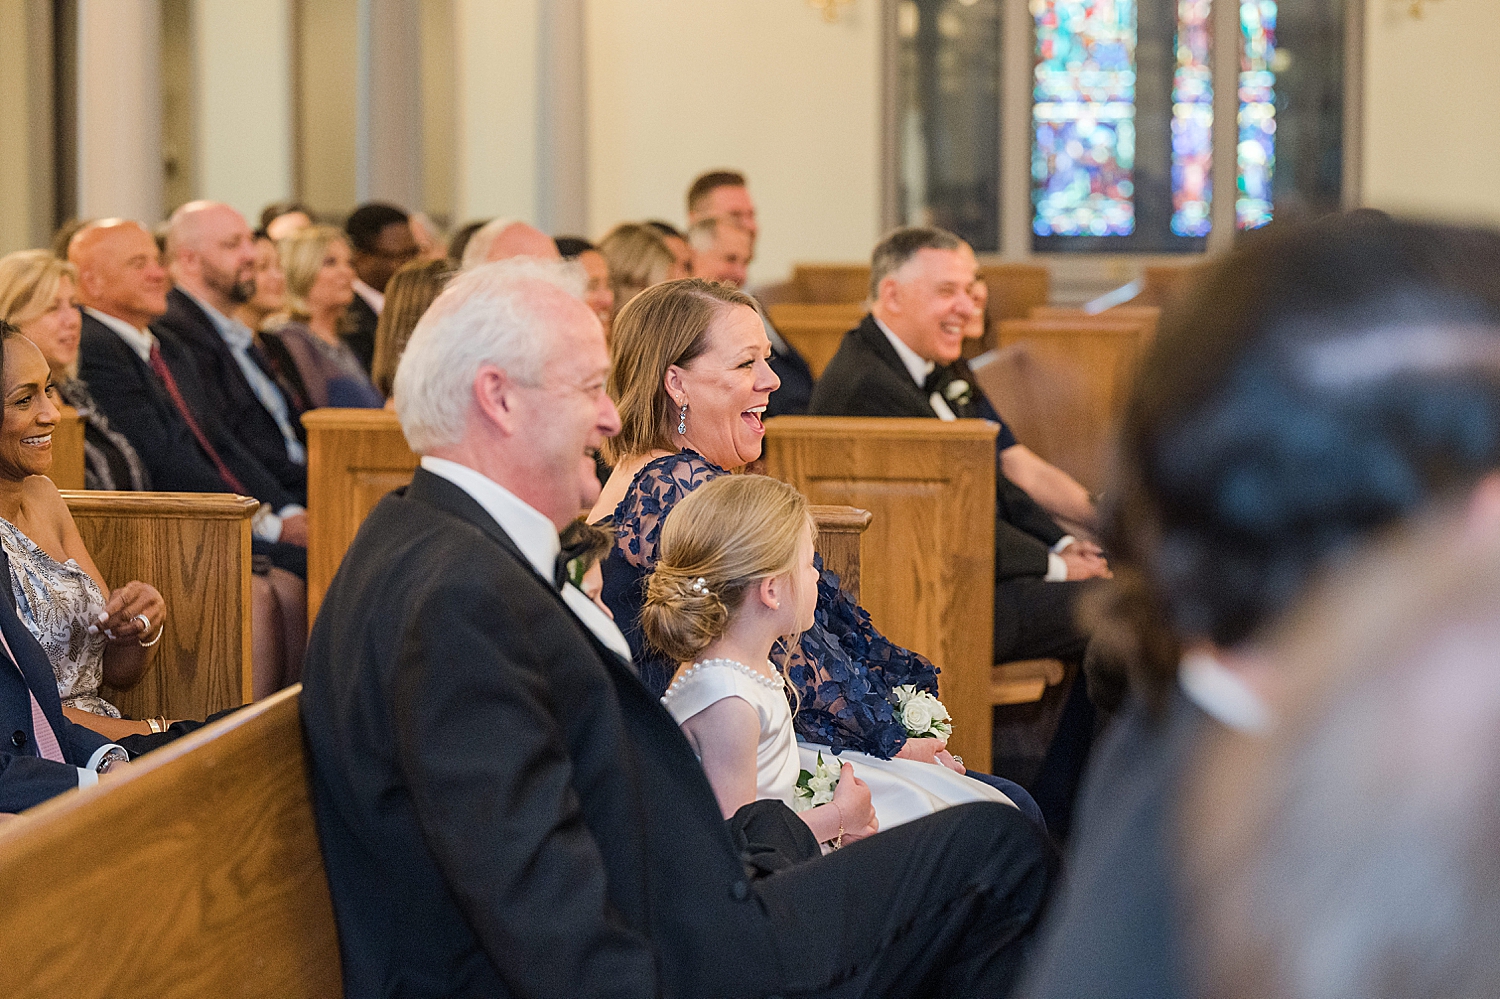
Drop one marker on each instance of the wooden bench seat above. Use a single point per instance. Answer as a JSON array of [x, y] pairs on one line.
[[196, 874], [67, 450]]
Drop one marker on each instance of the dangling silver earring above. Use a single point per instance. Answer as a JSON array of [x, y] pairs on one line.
[[682, 421]]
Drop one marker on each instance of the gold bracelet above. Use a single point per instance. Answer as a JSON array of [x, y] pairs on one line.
[[154, 725], [838, 841]]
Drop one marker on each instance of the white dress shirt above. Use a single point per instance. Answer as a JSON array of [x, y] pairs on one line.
[[266, 523], [1222, 694], [536, 536], [374, 299], [919, 368]]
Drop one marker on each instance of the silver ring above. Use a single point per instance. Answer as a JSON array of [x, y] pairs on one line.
[[958, 759], [145, 622]]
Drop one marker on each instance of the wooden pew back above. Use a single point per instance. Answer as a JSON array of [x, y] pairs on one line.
[[195, 549], [67, 450], [354, 457], [928, 562], [196, 874], [1148, 315], [1015, 288], [816, 329]]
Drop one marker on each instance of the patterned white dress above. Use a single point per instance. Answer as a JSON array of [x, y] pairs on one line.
[[58, 601]]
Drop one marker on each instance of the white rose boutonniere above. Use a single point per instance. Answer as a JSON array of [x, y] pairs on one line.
[[958, 392], [814, 789], [922, 715]]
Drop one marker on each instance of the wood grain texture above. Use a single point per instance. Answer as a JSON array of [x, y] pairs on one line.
[[67, 450], [196, 874], [928, 558], [354, 457], [816, 329], [841, 531], [195, 549], [1062, 384]]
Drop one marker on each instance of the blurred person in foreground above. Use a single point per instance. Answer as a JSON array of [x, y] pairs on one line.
[[1352, 851], [1323, 384]]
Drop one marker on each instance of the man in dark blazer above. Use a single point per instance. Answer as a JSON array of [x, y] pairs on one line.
[[505, 809], [122, 287], [34, 767], [380, 241], [903, 361], [211, 258]]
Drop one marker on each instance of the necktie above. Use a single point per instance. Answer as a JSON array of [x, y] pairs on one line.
[[46, 740], [159, 366]]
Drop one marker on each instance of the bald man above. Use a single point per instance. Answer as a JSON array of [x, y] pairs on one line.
[[722, 251], [503, 239], [211, 259], [148, 386]]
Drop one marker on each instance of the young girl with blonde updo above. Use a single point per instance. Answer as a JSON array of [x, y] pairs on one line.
[[735, 575]]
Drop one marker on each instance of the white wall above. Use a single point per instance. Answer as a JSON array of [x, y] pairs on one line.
[[496, 96], [243, 100], [1432, 109], [676, 87]]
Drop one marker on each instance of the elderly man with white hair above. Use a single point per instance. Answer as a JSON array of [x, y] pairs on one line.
[[506, 810], [502, 239]]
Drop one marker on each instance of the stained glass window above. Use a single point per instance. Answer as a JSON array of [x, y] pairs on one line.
[[1083, 117], [1192, 121], [1257, 145]]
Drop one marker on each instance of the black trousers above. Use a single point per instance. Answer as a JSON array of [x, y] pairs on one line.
[[944, 906]]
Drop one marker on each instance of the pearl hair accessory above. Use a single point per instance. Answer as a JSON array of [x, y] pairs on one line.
[[700, 586]]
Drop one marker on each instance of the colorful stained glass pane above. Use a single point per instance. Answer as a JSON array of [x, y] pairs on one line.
[[1083, 114], [1192, 121], [1257, 146]]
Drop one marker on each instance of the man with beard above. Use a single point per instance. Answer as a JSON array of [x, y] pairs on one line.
[[211, 257]]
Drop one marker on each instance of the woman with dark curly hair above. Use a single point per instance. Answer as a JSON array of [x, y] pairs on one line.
[[1324, 384]]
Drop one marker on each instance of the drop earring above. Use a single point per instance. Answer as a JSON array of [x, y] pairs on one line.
[[682, 421]]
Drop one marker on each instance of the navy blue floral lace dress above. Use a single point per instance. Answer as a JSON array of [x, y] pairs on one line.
[[844, 669]]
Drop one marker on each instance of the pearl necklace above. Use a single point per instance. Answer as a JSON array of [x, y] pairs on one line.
[[775, 683]]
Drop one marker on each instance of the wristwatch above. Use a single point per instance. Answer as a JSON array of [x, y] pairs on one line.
[[110, 758]]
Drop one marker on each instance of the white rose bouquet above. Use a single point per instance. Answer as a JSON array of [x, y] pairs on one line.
[[814, 789], [922, 715]]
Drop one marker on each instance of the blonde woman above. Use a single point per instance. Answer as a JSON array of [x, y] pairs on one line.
[[638, 257], [308, 349], [265, 307], [37, 296]]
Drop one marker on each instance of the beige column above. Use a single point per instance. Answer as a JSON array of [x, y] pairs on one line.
[[243, 102], [496, 98], [389, 156], [119, 109], [26, 196]]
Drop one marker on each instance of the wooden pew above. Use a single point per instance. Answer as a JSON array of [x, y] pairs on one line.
[[1149, 315], [816, 329], [928, 561], [195, 549], [1166, 283], [356, 456], [1015, 288], [67, 450], [196, 874]]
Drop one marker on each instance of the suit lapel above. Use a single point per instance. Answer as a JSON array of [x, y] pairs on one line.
[[874, 341], [28, 655]]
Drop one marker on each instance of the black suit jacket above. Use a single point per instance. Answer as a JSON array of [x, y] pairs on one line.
[[866, 378], [239, 408], [137, 404], [361, 338], [25, 778], [503, 807]]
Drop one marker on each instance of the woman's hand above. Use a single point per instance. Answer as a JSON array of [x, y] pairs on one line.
[[922, 750], [120, 620], [950, 761], [856, 810]]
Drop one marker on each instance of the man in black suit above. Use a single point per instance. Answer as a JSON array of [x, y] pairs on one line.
[[42, 754], [380, 241], [718, 208], [148, 386], [211, 258], [505, 809], [903, 360]]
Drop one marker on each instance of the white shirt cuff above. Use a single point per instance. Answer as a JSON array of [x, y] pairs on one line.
[[1057, 569], [88, 775], [1063, 542]]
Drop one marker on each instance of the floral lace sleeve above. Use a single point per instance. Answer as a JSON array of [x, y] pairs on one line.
[[655, 490], [845, 671]]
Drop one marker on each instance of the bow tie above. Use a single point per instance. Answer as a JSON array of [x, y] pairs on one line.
[[936, 379], [566, 555]]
